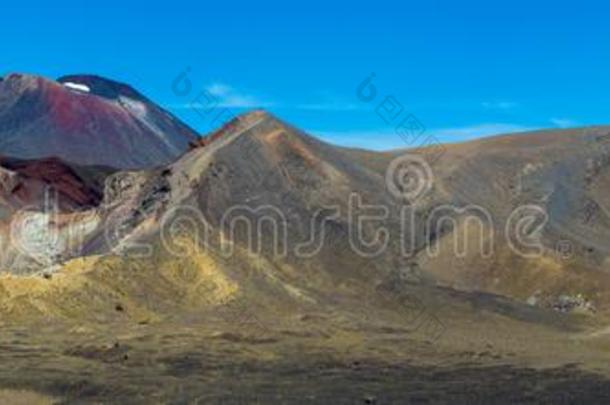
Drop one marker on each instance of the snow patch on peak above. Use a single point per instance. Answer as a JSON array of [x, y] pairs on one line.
[[135, 107], [141, 113], [79, 87]]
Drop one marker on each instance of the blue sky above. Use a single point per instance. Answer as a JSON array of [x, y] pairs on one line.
[[464, 69]]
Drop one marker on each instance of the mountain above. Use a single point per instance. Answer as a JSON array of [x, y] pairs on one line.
[[562, 180], [265, 254], [456, 234], [87, 120], [534, 203]]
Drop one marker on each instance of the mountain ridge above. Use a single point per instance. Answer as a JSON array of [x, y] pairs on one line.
[[260, 247]]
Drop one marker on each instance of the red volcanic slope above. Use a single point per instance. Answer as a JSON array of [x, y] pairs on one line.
[[24, 183], [87, 120]]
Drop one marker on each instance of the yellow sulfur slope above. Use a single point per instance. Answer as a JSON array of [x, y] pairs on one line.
[[106, 287]]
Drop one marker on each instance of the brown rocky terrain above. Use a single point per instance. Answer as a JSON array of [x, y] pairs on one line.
[[146, 289]]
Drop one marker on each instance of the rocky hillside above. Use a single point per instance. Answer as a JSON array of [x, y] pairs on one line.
[[521, 215]]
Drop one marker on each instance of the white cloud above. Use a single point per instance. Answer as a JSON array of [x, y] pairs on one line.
[[563, 122], [219, 89], [225, 96], [499, 105], [229, 97], [384, 139], [478, 131], [329, 101], [373, 140], [330, 106]]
